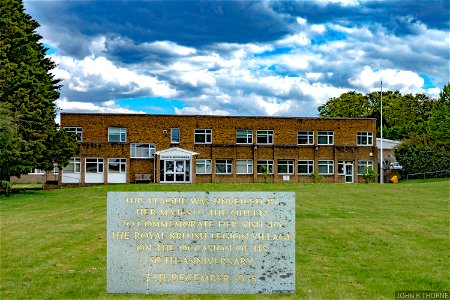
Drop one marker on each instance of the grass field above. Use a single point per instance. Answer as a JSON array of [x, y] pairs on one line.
[[359, 241]]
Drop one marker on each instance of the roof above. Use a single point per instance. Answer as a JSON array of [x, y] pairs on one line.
[[387, 144]]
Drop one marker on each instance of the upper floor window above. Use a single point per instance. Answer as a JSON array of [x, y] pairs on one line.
[[223, 166], [305, 138], [244, 136], [78, 131], [203, 136], [364, 138], [325, 137], [117, 134], [264, 136], [175, 135], [142, 150], [285, 166]]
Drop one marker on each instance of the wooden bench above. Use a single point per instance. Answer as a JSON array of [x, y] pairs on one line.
[[143, 178]]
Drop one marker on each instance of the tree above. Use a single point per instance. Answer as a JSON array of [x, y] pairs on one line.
[[28, 91], [403, 115], [421, 154], [439, 123]]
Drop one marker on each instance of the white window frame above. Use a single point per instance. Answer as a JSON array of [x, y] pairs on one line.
[[247, 164], [151, 148], [204, 163], [329, 164], [78, 131], [305, 135], [227, 163], [266, 135], [121, 132], [329, 135], [206, 133], [99, 165], [267, 163], [364, 138], [309, 166], [173, 137], [246, 134], [76, 163], [122, 165], [362, 164], [289, 163]]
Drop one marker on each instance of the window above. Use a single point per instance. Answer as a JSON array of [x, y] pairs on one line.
[[305, 167], [203, 166], [175, 135], [364, 138], [94, 165], [326, 167], [305, 138], [362, 164], [264, 136], [265, 164], [36, 171], [203, 136], [325, 137], [223, 166], [116, 134], [285, 167], [117, 165], [74, 166], [244, 166], [244, 136], [78, 131], [142, 150]]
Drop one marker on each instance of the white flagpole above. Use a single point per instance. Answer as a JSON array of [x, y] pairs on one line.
[[381, 143]]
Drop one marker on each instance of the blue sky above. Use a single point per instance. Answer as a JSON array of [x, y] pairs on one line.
[[282, 58]]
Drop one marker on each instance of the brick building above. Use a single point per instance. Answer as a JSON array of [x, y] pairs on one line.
[[189, 149]]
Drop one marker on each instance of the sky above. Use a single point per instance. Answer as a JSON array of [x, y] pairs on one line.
[[263, 58]]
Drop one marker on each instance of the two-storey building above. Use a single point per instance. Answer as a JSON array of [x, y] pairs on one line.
[[121, 148]]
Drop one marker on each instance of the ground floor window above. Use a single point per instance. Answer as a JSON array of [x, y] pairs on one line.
[[223, 166], [305, 167], [203, 166], [244, 166], [326, 167], [362, 164], [94, 165], [285, 166], [117, 165], [265, 164], [74, 165]]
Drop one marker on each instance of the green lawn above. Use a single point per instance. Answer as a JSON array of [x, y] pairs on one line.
[[358, 241]]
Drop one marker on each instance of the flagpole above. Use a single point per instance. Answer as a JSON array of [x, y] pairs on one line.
[[381, 135]]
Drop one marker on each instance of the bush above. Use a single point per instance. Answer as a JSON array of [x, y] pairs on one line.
[[369, 175]]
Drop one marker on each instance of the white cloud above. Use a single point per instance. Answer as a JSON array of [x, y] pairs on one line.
[[433, 92], [200, 110], [169, 47], [403, 81], [299, 39], [97, 73], [301, 21], [318, 28]]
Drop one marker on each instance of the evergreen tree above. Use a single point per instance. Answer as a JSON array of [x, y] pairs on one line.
[[28, 91]]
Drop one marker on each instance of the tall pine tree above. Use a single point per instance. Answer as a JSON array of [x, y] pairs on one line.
[[29, 136]]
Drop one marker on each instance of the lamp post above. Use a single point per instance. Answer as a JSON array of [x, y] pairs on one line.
[[381, 135]]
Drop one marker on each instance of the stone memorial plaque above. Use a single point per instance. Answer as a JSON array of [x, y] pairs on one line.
[[201, 242]]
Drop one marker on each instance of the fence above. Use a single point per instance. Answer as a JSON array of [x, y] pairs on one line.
[[424, 175]]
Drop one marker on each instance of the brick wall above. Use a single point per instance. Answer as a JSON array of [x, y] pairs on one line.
[[157, 128]]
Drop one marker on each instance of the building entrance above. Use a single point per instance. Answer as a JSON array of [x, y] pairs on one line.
[[175, 171]]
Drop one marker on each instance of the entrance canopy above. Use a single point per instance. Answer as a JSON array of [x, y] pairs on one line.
[[175, 153]]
